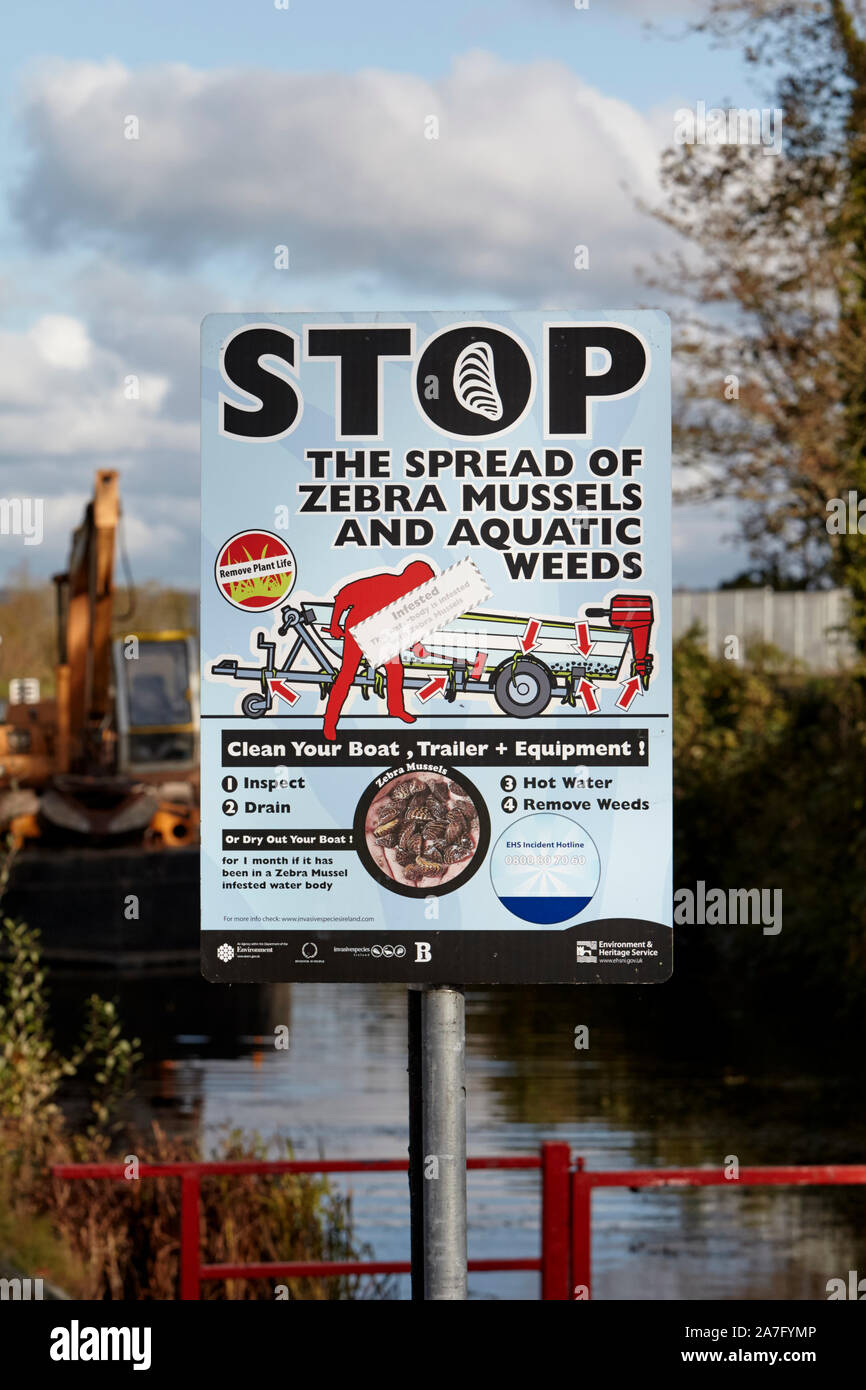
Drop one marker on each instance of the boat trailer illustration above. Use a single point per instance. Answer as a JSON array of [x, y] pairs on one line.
[[523, 662]]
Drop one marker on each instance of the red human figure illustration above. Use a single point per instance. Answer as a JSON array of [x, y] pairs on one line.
[[360, 599]]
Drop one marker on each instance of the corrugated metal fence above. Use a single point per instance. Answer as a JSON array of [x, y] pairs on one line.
[[811, 627]]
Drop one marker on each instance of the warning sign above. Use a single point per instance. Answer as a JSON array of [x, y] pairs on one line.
[[436, 688]]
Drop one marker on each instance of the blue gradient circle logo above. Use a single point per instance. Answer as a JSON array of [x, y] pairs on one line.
[[545, 869]]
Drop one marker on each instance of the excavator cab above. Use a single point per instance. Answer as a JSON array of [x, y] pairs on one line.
[[156, 703]]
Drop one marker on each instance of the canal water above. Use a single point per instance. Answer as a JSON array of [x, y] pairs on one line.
[[655, 1087]]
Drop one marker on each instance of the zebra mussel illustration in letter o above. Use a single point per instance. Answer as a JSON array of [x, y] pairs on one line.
[[475, 381]]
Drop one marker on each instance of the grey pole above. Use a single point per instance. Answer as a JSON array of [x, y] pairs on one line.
[[443, 1080], [416, 1143]]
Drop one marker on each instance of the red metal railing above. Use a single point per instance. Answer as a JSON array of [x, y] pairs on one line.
[[566, 1210], [552, 1264], [583, 1181]]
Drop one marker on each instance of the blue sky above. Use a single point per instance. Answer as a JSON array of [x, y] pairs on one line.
[[608, 44], [260, 126]]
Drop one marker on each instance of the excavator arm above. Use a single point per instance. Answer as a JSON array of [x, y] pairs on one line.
[[85, 606]]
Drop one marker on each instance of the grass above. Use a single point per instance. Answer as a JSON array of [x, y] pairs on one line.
[[262, 586]]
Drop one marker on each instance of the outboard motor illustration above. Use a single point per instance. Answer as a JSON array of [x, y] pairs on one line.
[[632, 613]]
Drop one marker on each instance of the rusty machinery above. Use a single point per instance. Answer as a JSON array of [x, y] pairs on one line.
[[113, 758]]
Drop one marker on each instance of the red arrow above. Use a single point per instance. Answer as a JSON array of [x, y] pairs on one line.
[[583, 643], [290, 696], [587, 695], [527, 641], [433, 687], [629, 690]]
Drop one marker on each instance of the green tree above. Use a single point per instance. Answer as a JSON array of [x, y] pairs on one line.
[[775, 258]]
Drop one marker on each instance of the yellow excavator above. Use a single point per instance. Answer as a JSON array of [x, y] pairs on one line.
[[113, 759]]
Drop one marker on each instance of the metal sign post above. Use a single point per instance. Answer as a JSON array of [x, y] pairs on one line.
[[437, 1142], [443, 1100], [416, 1144]]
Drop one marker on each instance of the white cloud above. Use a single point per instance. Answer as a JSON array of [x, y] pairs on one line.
[[62, 341], [61, 420], [59, 395], [158, 531], [155, 541], [530, 161]]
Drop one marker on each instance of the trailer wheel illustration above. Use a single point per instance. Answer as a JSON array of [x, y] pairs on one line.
[[522, 688], [254, 706]]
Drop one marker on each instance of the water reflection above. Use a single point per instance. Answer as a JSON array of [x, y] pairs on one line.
[[661, 1084]]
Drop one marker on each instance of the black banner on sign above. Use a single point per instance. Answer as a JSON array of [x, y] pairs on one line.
[[248, 838], [619, 951], [595, 747]]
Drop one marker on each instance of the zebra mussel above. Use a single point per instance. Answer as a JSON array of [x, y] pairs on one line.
[[428, 824]]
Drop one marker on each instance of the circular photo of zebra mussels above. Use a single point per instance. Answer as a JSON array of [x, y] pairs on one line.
[[424, 832]]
